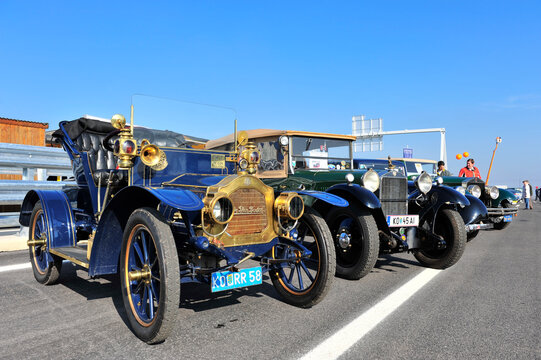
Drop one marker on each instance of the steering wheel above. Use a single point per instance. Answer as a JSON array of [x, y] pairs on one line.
[[106, 142]]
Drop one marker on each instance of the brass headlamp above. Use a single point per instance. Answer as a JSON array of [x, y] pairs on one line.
[[125, 147], [289, 204], [249, 158]]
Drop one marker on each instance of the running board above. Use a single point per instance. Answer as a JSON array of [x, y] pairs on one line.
[[75, 254]]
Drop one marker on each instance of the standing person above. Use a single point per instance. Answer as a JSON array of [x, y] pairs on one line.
[[469, 170], [537, 191], [531, 193], [526, 194], [442, 171]]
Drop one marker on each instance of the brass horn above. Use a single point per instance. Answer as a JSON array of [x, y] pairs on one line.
[[152, 156]]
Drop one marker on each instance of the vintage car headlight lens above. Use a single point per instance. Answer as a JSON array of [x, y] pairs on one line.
[[290, 205], [243, 164], [296, 207], [128, 147], [461, 190], [424, 182], [493, 192], [284, 140], [371, 180], [254, 157], [475, 190], [222, 210]]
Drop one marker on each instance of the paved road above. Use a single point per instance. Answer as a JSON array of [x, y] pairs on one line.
[[488, 306]]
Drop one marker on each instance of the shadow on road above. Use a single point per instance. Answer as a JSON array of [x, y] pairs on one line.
[[198, 297], [392, 263]]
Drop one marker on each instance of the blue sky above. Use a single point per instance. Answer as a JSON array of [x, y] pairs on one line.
[[472, 67]]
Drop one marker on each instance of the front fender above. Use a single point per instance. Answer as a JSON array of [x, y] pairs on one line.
[[475, 212], [325, 196], [110, 230], [436, 198], [504, 195], [58, 213], [440, 195], [364, 196]]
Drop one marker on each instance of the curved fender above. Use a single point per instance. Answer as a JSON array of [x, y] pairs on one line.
[[364, 196], [470, 214], [504, 195], [58, 212], [178, 198], [439, 196], [443, 194], [325, 196], [110, 230]]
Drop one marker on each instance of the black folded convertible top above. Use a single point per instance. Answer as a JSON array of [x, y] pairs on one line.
[[164, 138]]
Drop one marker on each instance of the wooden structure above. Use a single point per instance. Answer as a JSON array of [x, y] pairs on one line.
[[21, 132]]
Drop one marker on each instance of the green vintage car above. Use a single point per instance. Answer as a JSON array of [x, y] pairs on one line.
[[501, 204], [379, 218]]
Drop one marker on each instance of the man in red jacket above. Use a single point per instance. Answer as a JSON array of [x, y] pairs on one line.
[[469, 170]]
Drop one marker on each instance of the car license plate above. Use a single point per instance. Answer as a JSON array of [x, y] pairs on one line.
[[507, 218], [402, 220], [227, 280]]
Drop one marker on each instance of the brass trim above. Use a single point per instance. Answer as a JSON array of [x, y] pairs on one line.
[[227, 187], [168, 183], [209, 203], [283, 202], [70, 258]]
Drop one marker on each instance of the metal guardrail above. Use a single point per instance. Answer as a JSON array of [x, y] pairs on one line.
[[26, 160], [46, 160]]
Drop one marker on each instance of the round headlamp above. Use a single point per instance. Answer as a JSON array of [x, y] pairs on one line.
[[243, 164], [222, 210], [424, 182], [461, 190], [371, 180], [493, 192], [350, 178], [475, 190], [290, 205], [284, 140]]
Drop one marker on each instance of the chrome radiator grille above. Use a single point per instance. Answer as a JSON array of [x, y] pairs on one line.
[[393, 194], [250, 215]]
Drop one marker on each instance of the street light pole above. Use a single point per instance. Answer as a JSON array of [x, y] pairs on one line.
[[498, 140]]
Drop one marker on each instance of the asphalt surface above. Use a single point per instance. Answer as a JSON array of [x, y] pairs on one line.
[[487, 306]]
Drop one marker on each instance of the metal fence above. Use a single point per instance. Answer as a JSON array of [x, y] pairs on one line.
[[27, 160]]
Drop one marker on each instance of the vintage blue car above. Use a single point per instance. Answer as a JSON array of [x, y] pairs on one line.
[[163, 215]]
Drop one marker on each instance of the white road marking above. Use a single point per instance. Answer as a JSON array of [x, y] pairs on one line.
[[15, 267], [346, 337]]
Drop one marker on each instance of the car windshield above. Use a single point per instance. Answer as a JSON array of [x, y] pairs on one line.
[[182, 117], [379, 167], [320, 153], [417, 167]]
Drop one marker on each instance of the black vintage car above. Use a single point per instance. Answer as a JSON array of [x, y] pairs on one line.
[[501, 204], [383, 215]]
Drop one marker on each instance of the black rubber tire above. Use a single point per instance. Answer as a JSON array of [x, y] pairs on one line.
[[50, 274], [360, 257], [152, 222], [472, 234], [450, 225], [322, 252], [502, 225]]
